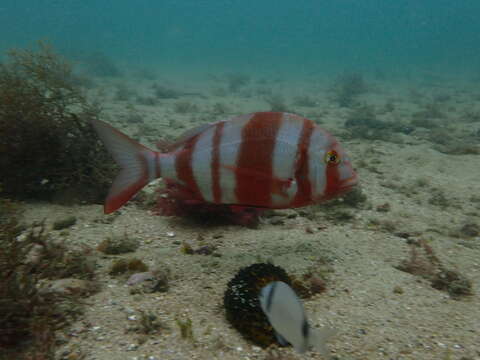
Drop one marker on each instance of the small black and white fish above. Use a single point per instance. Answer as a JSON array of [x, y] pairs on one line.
[[285, 312]]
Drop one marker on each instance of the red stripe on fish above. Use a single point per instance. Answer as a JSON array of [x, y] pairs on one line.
[[254, 173], [304, 192], [333, 181], [216, 189], [183, 167], [332, 173], [157, 164]]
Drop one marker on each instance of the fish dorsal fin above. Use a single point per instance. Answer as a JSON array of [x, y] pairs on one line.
[[189, 134]]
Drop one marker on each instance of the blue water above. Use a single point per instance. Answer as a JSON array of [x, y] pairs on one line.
[[300, 36]]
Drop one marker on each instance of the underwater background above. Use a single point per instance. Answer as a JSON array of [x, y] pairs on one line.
[[297, 37]]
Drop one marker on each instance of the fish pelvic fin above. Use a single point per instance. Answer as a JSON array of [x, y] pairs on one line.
[[318, 340], [138, 165]]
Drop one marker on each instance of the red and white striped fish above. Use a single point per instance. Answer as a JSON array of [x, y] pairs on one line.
[[264, 159]]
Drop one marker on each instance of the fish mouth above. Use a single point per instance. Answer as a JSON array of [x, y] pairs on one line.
[[341, 189], [347, 184]]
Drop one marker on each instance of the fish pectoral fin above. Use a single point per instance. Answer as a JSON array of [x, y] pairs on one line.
[[281, 340], [281, 186]]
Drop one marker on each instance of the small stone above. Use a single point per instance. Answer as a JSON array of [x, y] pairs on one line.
[[132, 347], [309, 230], [139, 277], [470, 230], [403, 234], [277, 220], [35, 254], [67, 287], [72, 356], [64, 223], [383, 207], [156, 280], [142, 339], [205, 250], [290, 213]]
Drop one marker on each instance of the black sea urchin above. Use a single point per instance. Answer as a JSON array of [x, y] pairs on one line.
[[241, 302]]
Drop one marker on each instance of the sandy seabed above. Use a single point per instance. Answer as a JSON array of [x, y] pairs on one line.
[[379, 311]]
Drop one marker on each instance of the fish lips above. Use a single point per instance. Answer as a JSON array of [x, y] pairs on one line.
[[347, 184], [342, 188]]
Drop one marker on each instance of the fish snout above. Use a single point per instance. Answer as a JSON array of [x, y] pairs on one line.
[[349, 182], [348, 178]]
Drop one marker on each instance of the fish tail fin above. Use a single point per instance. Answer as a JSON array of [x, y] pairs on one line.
[[318, 340], [138, 165]]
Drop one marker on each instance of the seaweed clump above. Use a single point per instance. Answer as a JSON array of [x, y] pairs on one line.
[[347, 87], [242, 305], [130, 266], [424, 263], [163, 92], [277, 103], [99, 64], [362, 122], [29, 312], [48, 147], [118, 244], [236, 81]]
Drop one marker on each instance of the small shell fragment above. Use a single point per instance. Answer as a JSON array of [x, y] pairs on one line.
[[139, 277]]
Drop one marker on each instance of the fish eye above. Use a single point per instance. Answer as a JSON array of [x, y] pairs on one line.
[[332, 157]]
